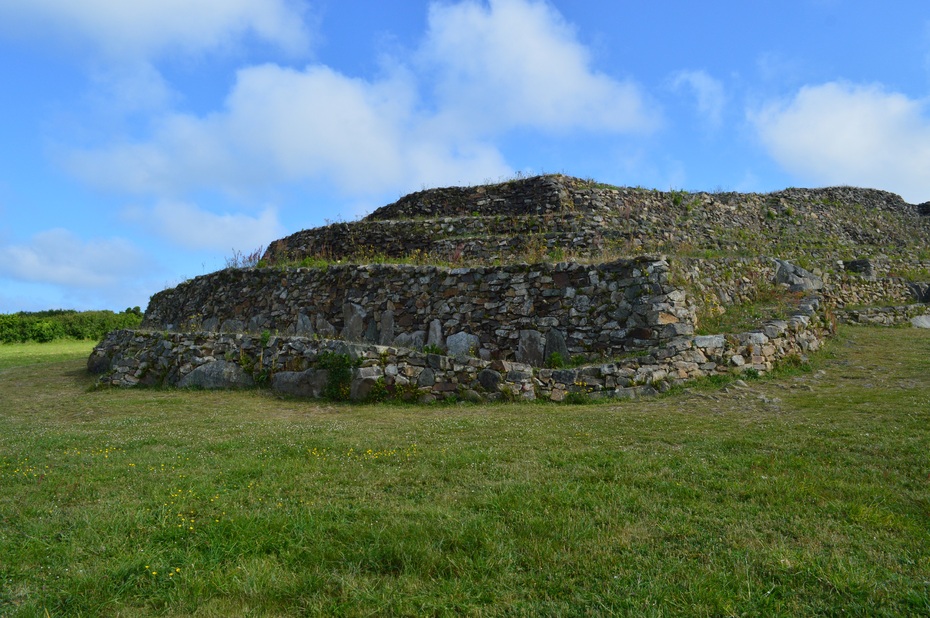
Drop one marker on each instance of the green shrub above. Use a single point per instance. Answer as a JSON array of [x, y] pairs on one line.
[[46, 326], [340, 366]]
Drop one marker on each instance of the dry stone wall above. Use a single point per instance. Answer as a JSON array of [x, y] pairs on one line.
[[504, 321], [568, 214], [894, 315], [518, 312], [291, 365]]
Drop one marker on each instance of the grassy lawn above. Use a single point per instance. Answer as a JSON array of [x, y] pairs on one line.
[[805, 495], [19, 354]]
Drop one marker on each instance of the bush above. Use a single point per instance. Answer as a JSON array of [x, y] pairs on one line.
[[46, 326]]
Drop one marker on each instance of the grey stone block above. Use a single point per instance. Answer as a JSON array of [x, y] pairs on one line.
[[462, 345], [531, 348], [217, 374]]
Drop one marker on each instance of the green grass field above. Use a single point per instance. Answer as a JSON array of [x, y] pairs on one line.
[[804, 495]]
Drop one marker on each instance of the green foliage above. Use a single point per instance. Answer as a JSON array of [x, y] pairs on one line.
[[46, 326], [556, 254], [917, 274], [555, 361], [432, 348], [340, 366]]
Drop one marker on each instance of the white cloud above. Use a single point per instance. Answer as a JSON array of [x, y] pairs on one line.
[[282, 125], [708, 91], [842, 133], [146, 28], [517, 63], [514, 64], [59, 257], [131, 87], [191, 227]]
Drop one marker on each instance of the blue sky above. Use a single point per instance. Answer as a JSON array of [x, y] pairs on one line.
[[144, 142]]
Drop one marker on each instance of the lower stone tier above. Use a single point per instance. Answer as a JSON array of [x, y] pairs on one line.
[[916, 314], [312, 367]]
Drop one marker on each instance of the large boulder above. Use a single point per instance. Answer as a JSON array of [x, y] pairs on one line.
[[796, 278], [462, 345], [217, 374], [921, 321]]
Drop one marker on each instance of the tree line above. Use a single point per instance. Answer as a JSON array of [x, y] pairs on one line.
[[45, 326]]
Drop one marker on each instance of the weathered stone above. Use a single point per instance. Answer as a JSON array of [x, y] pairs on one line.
[[256, 324], [434, 334], [217, 374], [98, 362], [490, 380], [531, 348], [353, 316], [309, 383], [361, 388], [710, 341], [304, 326], [555, 344], [796, 278], [427, 377], [774, 329], [324, 328], [921, 321], [462, 345], [387, 327], [472, 396], [415, 340], [921, 291], [232, 326]]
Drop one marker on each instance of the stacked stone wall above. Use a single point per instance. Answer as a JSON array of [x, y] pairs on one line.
[[895, 315], [491, 223], [290, 365], [522, 312]]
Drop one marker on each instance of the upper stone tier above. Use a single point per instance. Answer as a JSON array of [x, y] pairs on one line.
[[538, 195], [556, 216]]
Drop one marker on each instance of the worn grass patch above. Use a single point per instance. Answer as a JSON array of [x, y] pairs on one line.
[[799, 496]]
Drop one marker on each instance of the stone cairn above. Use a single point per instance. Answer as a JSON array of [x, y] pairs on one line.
[[548, 287]]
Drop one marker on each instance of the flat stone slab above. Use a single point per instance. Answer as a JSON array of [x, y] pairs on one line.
[[921, 321]]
